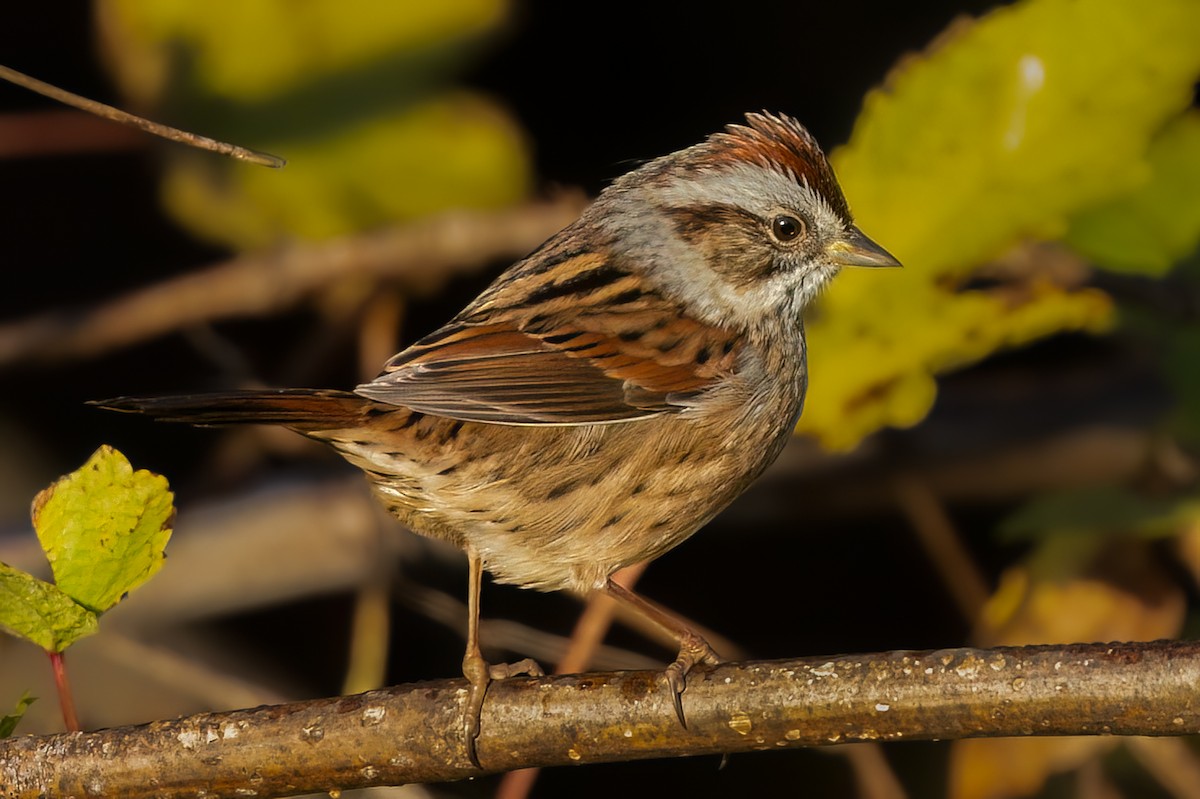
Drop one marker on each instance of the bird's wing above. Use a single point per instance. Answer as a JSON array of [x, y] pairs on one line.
[[609, 354]]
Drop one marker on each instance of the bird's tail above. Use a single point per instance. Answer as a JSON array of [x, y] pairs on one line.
[[304, 409]]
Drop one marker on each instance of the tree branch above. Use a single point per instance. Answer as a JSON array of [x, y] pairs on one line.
[[423, 253], [411, 733]]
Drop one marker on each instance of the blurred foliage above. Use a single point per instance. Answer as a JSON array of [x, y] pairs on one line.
[[1150, 229], [357, 102], [1044, 121], [1181, 356], [252, 51], [103, 527], [1101, 512], [1039, 120], [1071, 588], [1175, 337]]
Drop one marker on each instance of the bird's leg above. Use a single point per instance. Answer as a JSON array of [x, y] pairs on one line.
[[479, 672], [693, 649], [475, 668]]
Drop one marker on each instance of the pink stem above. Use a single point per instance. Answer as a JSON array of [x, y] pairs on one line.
[[70, 720]]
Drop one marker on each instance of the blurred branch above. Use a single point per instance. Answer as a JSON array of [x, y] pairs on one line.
[[410, 733], [593, 624], [997, 469], [942, 544], [423, 254], [873, 775], [505, 634], [60, 132], [1094, 783], [1171, 762], [193, 678]]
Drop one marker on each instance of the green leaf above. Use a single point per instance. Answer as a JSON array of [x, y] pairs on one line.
[[9, 723], [40, 612], [449, 151], [1182, 354], [1098, 512], [1150, 229], [1004, 129], [104, 527]]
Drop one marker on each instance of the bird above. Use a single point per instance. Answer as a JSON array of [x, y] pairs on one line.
[[608, 394]]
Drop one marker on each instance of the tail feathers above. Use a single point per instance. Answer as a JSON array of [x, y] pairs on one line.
[[301, 409]]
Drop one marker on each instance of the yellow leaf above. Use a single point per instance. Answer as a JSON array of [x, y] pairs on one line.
[[994, 136], [1011, 767], [1075, 589], [104, 528], [1187, 547], [250, 51]]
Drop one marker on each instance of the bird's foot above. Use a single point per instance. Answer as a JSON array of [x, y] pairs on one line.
[[693, 650], [479, 674]]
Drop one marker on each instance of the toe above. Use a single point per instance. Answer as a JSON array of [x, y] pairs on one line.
[[676, 683], [528, 666], [693, 650]]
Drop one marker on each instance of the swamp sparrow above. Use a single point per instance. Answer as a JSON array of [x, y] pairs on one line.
[[607, 395]]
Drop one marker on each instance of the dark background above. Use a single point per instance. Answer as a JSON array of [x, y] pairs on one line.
[[596, 86]]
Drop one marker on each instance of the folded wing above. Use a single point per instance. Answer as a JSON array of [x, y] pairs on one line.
[[585, 361]]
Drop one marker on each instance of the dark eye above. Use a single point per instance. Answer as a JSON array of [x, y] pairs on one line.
[[786, 228]]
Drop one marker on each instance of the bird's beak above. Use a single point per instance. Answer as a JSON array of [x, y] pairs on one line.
[[855, 249]]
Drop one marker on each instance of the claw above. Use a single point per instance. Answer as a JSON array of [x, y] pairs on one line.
[[480, 674], [526, 668], [693, 650]]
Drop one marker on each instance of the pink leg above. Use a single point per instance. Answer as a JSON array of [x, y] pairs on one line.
[[693, 649]]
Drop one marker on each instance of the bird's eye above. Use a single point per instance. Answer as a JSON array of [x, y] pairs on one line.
[[786, 228]]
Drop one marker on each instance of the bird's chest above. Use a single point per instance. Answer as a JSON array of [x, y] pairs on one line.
[[608, 496]]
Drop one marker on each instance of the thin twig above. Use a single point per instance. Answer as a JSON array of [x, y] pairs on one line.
[[379, 331], [414, 733], [942, 544], [126, 118]]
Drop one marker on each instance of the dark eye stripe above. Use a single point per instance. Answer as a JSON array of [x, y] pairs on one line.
[[694, 222]]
